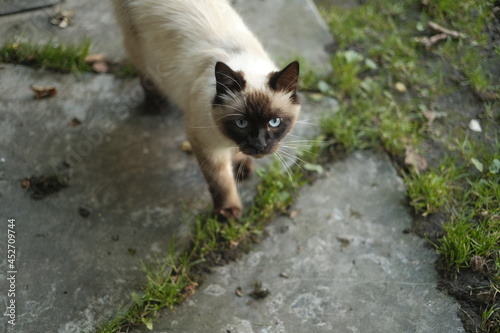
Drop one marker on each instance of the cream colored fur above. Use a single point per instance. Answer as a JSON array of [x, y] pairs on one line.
[[176, 43]]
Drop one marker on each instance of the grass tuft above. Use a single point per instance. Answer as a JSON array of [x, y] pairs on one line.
[[52, 55]]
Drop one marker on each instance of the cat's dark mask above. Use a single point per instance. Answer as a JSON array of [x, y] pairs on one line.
[[256, 119]]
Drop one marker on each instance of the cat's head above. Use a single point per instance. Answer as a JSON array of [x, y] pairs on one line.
[[256, 119]]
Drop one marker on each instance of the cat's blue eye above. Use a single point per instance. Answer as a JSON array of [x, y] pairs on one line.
[[241, 123], [275, 122]]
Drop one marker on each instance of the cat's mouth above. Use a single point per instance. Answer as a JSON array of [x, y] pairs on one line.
[[256, 153]]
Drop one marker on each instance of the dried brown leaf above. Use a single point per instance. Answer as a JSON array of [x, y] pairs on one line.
[[413, 159], [75, 122], [186, 147], [43, 91], [400, 86], [62, 18], [91, 58], [430, 116], [189, 290], [100, 67], [294, 213], [26, 183]]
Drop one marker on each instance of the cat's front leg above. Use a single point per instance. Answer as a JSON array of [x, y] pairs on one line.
[[243, 166], [218, 172]]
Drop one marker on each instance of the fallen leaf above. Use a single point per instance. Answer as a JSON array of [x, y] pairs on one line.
[[400, 86], [91, 58], [43, 91], [475, 126], [100, 67], [62, 18], [25, 183], [430, 116], [75, 122], [186, 146], [64, 22], [495, 166], [148, 322], [190, 290], [479, 166], [477, 263], [294, 213], [417, 161]]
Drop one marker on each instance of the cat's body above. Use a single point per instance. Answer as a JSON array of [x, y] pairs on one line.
[[202, 57]]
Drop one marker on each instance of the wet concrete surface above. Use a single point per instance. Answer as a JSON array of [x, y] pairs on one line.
[[128, 171]]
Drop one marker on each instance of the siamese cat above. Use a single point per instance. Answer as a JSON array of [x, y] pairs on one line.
[[237, 104]]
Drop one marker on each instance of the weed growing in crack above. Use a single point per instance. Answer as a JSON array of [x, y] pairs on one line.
[[52, 55]]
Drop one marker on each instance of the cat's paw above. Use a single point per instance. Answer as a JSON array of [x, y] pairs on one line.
[[230, 212]]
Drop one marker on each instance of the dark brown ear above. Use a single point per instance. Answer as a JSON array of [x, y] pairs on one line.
[[285, 80], [227, 80]]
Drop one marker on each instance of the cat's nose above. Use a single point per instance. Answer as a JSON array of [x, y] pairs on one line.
[[260, 145], [260, 141]]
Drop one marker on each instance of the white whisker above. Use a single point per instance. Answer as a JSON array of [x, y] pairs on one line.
[[306, 123], [230, 115], [228, 106], [202, 126], [285, 166], [293, 158]]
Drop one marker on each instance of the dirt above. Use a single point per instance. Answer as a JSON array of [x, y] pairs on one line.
[[258, 291], [42, 186], [472, 290]]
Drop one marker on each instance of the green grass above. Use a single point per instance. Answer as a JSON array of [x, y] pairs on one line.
[[433, 191], [52, 55]]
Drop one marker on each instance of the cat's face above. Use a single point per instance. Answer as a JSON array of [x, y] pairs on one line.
[[256, 120]]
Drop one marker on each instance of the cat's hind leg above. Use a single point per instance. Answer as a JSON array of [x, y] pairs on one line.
[[155, 102]]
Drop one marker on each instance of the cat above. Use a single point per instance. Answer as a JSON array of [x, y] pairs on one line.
[[202, 57]]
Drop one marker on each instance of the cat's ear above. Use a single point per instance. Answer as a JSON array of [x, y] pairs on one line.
[[287, 79], [227, 80]]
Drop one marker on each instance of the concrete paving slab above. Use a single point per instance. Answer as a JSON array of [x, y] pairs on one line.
[[279, 24], [15, 6], [344, 264]]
